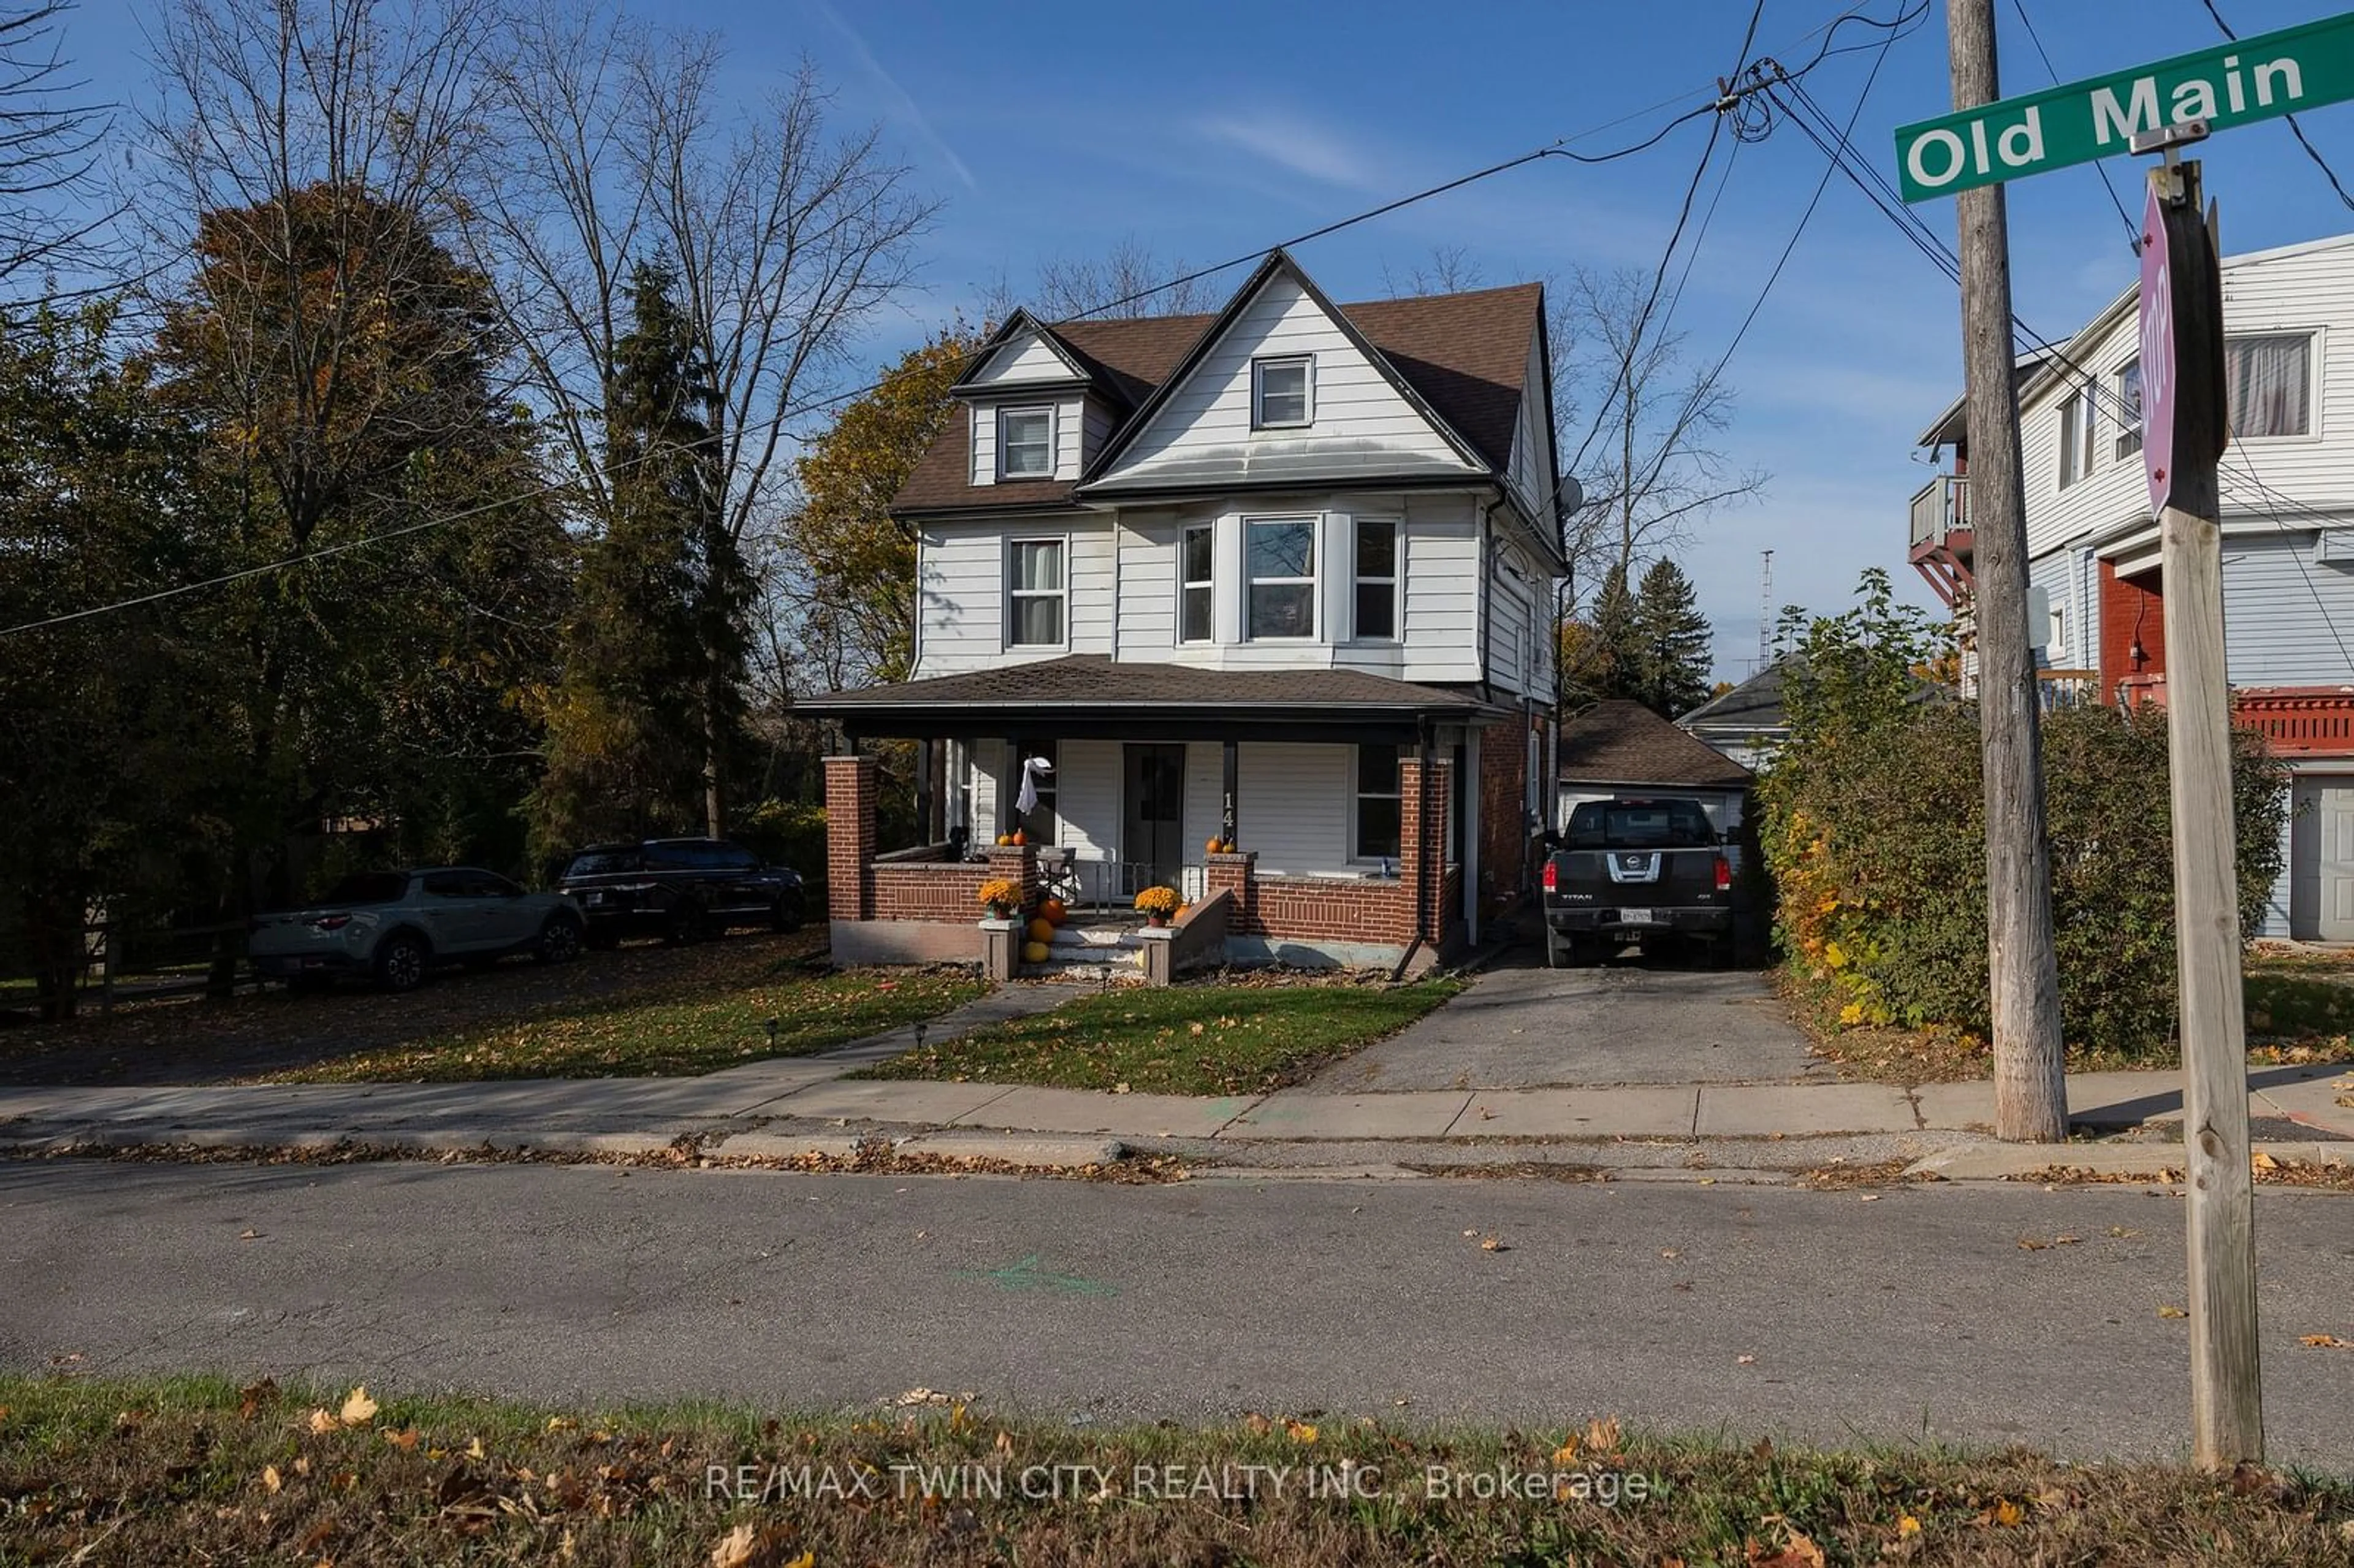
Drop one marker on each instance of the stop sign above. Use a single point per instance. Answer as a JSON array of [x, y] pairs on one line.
[[2157, 357]]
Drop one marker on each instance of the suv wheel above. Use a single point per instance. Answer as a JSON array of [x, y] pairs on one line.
[[786, 914], [400, 962], [560, 940]]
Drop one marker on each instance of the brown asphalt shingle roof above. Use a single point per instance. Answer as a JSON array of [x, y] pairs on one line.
[[1096, 681], [1467, 354], [1621, 742]]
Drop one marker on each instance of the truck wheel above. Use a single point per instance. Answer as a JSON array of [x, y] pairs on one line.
[[1553, 951], [400, 962], [786, 914]]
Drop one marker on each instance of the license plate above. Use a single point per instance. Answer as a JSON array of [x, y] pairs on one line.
[[594, 898], [1634, 917]]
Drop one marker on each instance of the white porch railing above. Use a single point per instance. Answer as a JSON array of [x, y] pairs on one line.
[[1089, 882]]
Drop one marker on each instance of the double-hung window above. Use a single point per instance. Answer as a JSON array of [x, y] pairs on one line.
[[1377, 608], [1281, 566], [2079, 427], [2270, 384], [1025, 443], [2130, 409], [1283, 392], [1198, 608], [1035, 594], [1380, 812]]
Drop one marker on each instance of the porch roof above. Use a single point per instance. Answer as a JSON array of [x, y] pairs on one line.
[[1091, 697]]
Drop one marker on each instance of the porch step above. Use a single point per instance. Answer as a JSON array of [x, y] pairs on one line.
[[1081, 971], [1078, 938]]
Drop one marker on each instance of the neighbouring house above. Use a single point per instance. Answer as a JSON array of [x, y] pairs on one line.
[[2097, 593], [1621, 747], [1280, 577], [1745, 726]]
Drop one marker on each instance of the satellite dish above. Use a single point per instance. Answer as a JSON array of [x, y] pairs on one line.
[[1569, 495]]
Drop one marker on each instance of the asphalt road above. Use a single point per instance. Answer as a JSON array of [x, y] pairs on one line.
[[1918, 1315], [1523, 1026]]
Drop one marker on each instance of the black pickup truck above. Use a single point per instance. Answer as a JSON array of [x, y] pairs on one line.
[[1627, 869], [679, 889]]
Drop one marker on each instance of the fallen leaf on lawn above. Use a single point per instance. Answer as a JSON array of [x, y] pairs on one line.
[[358, 1408], [1301, 1431], [1119, 1088], [2262, 1161], [2008, 1513], [2326, 1343], [2171, 1311], [806, 1560], [1258, 1425], [1566, 1455], [1602, 1435], [405, 1441], [474, 1449], [734, 1549], [1908, 1526], [251, 1398], [271, 1480], [324, 1421]]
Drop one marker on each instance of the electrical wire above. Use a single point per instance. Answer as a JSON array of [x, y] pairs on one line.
[[1718, 106], [2295, 129], [2133, 229]]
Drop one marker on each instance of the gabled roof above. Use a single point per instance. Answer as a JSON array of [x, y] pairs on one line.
[[1016, 324], [1280, 264], [1461, 359], [1619, 742], [1754, 704]]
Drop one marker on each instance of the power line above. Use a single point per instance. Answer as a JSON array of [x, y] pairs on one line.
[[1724, 99], [2133, 229], [2295, 129]]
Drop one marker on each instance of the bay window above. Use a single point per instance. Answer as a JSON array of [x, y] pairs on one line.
[[1281, 563]]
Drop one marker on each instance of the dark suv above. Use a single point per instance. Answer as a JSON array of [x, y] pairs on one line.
[[680, 889]]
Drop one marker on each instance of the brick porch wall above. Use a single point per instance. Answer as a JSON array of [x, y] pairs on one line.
[[849, 837], [1425, 899], [857, 888], [1503, 811]]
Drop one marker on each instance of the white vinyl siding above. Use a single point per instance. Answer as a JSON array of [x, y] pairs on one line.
[[1362, 426], [984, 444], [964, 576], [1533, 455], [1286, 803], [2287, 621], [1025, 357]]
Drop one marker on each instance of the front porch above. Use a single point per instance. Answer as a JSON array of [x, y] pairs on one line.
[[1326, 828]]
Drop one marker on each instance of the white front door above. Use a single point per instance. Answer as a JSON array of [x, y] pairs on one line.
[[2335, 839]]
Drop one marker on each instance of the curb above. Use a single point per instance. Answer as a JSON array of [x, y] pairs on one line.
[[2004, 1162]]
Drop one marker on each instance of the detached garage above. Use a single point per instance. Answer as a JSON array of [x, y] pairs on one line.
[[1622, 747]]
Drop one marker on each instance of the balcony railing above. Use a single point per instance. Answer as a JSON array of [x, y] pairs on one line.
[[2299, 721], [2067, 688], [1942, 507]]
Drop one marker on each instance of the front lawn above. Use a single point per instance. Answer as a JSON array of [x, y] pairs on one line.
[[782, 1008], [199, 1471], [1181, 1040]]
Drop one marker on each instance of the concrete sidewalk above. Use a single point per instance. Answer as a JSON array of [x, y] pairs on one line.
[[812, 1099]]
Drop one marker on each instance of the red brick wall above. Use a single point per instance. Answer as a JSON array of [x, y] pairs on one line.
[[2123, 602], [1329, 910], [929, 890], [849, 836]]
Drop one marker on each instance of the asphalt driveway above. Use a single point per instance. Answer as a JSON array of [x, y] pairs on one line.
[[1523, 1026]]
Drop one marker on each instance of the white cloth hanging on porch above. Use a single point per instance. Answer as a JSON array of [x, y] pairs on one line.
[[1026, 801]]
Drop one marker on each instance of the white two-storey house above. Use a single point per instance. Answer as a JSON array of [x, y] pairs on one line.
[[2287, 485], [1259, 602]]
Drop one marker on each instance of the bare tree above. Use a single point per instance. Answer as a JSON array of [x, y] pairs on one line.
[[1125, 283], [51, 138], [615, 144], [1649, 459]]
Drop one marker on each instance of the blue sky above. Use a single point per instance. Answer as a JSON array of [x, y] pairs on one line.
[[1208, 130]]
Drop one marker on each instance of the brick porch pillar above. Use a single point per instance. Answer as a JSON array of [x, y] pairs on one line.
[[1237, 875], [1019, 864], [1422, 856], [849, 837]]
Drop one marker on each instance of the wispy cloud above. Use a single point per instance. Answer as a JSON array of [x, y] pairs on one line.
[[1298, 145], [903, 104]]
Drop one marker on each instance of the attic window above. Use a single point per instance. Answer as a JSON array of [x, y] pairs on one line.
[[1283, 393], [1025, 443]]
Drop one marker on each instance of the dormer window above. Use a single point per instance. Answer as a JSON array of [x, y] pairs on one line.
[[1283, 393], [1025, 443]]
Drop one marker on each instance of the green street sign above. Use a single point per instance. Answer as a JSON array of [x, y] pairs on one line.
[[2258, 78]]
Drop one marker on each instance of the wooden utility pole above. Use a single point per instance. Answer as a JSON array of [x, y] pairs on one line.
[[2182, 335], [2030, 1087]]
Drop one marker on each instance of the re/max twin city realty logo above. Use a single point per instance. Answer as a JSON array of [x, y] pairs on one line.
[[2239, 83]]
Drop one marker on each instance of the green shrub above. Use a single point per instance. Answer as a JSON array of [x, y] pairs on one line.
[[1874, 830], [785, 832]]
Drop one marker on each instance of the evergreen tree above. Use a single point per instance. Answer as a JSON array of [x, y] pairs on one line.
[[1671, 652], [651, 697]]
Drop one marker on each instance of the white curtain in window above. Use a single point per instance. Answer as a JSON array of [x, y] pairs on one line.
[[1037, 566], [2269, 386]]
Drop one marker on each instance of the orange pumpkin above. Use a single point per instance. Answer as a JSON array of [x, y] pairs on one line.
[[1042, 929], [1214, 846], [1019, 837], [1052, 909]]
